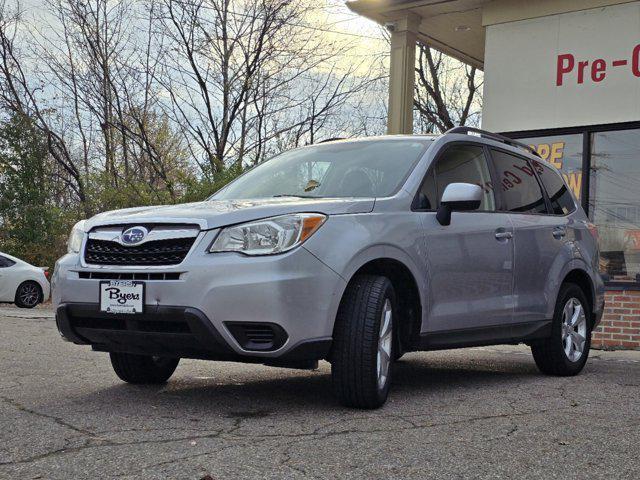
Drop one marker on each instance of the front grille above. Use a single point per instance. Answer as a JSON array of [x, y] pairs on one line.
[[159, 252]]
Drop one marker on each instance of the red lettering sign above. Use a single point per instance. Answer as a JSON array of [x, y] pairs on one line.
[[579, 71], [635, 61], [565, 65]]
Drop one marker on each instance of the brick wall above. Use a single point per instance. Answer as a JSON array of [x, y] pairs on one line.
[[620, 326]]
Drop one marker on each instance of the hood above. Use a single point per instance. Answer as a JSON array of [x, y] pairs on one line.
[[219, 213]]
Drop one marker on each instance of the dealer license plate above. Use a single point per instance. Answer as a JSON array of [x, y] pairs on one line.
[[122, 296]]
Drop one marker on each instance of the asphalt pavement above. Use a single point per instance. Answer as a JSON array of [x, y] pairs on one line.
[[476, 413]]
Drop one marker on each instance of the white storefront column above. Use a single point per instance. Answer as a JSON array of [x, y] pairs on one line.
[[402, 75]]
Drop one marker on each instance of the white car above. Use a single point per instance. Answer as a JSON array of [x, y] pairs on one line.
[[21, 283]]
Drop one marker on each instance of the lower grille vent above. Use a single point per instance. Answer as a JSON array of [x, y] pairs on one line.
[[129, 276], [258, 336], [83, 324]]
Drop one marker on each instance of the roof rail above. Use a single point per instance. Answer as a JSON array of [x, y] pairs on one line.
[[334, 139], [493, 136]]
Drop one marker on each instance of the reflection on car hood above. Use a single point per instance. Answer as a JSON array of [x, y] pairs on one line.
[[218, 213]]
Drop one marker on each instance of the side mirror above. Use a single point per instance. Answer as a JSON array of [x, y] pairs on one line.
[[458, 197]]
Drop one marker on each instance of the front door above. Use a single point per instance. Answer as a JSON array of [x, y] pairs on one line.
[[470, 261]]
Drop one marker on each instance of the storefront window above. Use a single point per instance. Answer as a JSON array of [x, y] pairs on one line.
[[565, 153], [614, 199]]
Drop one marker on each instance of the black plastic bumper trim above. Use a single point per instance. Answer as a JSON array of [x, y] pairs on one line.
[[484, 336], [155, 332]]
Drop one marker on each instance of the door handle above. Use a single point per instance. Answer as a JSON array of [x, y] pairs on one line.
[[559, 232], [502, 235]]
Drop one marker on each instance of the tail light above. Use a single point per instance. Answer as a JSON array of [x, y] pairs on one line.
[[593, 229]]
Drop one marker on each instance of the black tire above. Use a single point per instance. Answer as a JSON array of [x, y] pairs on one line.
[[28, 294], [354, 357], [143, 369], [549, 354]]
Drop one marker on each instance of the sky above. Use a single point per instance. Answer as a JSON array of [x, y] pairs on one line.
[[365, 37], [348, 23], [333, 21]]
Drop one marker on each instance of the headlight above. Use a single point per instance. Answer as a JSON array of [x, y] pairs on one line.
[[268, 236], [75, 238]]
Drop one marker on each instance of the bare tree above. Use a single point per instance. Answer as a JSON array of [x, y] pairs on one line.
[[133, 94], [108, 68], [87, 76], [19, 95], [243, 73], [447, 93]]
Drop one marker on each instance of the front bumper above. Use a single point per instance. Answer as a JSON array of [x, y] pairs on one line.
[[210, 293], [179, 332]]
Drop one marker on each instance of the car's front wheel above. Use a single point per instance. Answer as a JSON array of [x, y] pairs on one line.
[[363, 343], [143, 369], [566, 351], [28, 295]]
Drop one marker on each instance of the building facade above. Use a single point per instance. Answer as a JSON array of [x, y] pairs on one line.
[[564, 77]]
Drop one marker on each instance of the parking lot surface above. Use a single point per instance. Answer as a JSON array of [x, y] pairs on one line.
[[479, 413]]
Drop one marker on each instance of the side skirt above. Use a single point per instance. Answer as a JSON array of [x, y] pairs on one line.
[[483, 336]]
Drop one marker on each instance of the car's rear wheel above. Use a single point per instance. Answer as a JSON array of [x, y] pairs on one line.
[[566, 352], [28, 295], [363, 343], [143, 369]]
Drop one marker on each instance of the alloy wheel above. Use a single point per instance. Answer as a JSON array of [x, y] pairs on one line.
[[29, 295], [574, 329], [385, 339]]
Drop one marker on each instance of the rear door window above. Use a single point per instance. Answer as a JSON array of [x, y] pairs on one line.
[[561, 200], [521, 191]]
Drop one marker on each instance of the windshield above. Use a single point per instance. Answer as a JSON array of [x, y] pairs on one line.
[[365, 168]]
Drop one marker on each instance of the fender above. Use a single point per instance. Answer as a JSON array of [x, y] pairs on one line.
[[357, 246], [382, 251], [560, 269], [377, 252]]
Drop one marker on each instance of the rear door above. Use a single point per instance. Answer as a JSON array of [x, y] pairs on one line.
[[469, 262], [538, 237]]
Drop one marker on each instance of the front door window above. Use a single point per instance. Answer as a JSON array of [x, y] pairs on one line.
[[459, 164]]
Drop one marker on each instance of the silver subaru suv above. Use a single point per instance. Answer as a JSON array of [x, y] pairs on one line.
[[351, 251]]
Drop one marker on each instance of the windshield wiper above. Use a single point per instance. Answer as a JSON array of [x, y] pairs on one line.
[[295, 195]]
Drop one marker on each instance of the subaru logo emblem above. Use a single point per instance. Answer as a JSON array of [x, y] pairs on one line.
[[133, 235]]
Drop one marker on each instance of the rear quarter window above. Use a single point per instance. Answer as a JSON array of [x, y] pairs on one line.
[[561, 199], [5, 262]]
